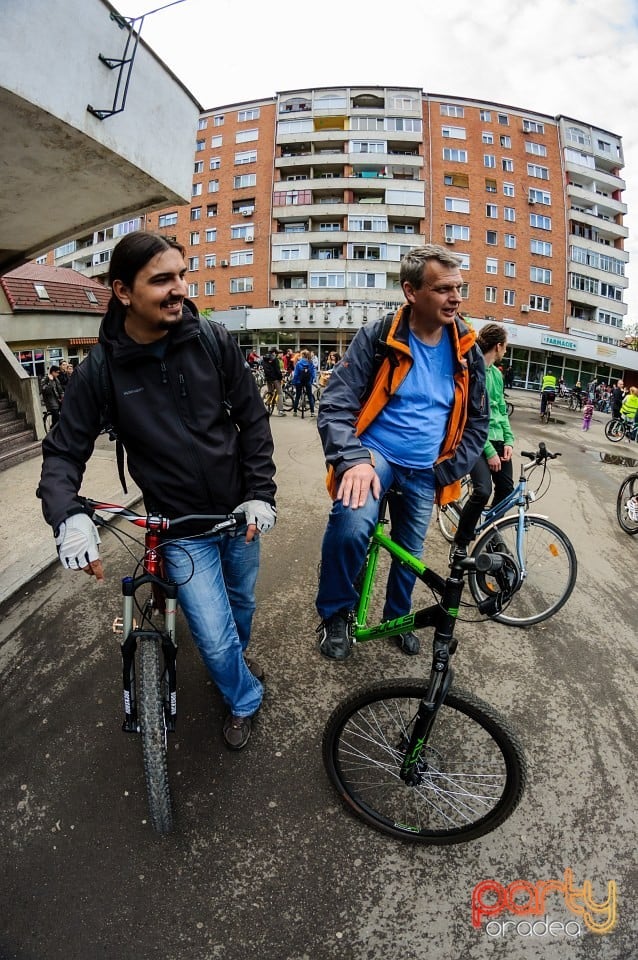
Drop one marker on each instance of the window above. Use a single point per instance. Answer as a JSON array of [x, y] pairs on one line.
[[218, 121], [210, 260], [246, 207], [241, 231], [376, 224], [485, 116], [198, 166], [543, 223], [540, 196], [487, 137], [491, 211], [576, 135], [540, 275], [167, 220], [456, 205], [327, 227], [209, 288], [509, 298], [211, 210], [196, 213], [464, 264], [193, 290], [216, 141], [407, 124], [327, 280], [245, 180], [540, 303], [403, 228], [291, 198], [534, 170], [541, 247], [194, 239], [454, 133], [491, 237], [451, 110], [509, 213], [490, 185], [508, 189], [368, 146], [604, 146], [506, 142], [539, 149], [211, 235], [241, 285], [458, 156], [193, 263], [41, 291], [213, 186], [199, 146], [503, 119], [491, 265], [197, 189], [507, 165], [509, 268], [455, 231], [510, 241], [202, 123], [250, 114], [489, 160], [532, 126], [367, 280], [243, 136], [456, 180], [246, 156], [241, 258], [608, 290], [490, 294]]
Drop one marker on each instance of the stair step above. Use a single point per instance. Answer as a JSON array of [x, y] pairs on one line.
[[13, 426], [18, 456], [8, 414], [16, 440]]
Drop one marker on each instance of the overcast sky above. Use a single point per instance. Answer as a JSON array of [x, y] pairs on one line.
[[573, 57]]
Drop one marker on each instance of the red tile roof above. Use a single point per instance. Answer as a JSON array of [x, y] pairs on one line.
[[67, 290]]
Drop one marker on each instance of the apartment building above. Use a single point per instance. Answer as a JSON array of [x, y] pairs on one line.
[[304, 203]]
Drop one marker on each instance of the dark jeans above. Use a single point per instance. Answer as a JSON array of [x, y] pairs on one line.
[[482, 480], [311, 400]]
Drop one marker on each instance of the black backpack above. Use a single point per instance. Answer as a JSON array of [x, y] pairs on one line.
[[99, 374], [305, 374]]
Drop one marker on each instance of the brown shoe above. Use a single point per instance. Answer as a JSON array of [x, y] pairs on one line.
[[237, 731], [255, 667]]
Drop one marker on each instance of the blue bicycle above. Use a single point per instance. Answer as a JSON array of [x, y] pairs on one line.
[[547, 565]]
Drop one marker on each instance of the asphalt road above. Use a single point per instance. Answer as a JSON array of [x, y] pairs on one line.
[[265, 862]]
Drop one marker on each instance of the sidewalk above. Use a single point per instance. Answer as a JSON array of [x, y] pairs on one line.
[[26, 541]]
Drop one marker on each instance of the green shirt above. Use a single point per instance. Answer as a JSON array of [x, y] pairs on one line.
[[499, 421]]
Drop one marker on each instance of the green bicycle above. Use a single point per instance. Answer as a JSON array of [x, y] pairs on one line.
[[421, 760]]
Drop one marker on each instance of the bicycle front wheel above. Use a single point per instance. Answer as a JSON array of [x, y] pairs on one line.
[[614, 430], [550, 569], [471, 773], [628, 491], [153, 730]]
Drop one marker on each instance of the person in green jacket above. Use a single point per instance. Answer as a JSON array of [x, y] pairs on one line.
[[494, 466], [629, 409], [548, 390]]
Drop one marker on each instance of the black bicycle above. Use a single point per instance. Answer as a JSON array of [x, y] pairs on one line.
[[422, 760], [150, 699], [618, 428], [627, 504]]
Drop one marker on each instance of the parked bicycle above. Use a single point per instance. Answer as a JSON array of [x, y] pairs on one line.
[[150, 701], [627, 504], [544, 554], [618, 428], [421, 760]]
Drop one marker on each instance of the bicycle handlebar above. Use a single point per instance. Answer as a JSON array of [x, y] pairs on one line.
[[541, 455], [219, 521]]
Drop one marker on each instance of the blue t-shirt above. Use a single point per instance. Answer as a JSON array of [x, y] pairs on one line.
[[411, 427]]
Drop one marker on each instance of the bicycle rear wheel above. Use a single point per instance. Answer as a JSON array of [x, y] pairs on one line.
[[628, 491], [448, 516], [550, 569], [269, 398], [614, 430], [154, 734], [472, 770]]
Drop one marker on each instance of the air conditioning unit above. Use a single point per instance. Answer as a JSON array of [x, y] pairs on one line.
[[531, 201], [525, 308], [449, 239], [249, 239], [248, 213], [223, 263]]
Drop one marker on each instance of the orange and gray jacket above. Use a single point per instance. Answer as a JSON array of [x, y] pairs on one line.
[[350, 403]]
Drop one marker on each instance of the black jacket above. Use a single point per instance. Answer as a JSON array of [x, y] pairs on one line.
[[184, 451]]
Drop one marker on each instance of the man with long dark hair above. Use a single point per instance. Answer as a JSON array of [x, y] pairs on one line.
[[198, 442]]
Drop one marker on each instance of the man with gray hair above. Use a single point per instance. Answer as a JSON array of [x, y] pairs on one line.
[[405, 410]]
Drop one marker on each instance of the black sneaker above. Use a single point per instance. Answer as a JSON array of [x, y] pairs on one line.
[[457, 553], [335, 641], [409, 643], [237, 731], [255, 668]]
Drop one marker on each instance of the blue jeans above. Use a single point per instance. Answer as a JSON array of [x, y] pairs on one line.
[[345, 541], [216, 577], [299, 388]]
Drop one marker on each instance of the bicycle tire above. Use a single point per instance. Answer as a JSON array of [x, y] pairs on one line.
[[628, 490], [510, 407], [153, 730], [270, 400], [551, 570], [364, 744], [614, 430], [448, 516]]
